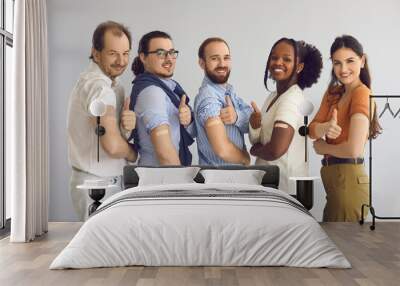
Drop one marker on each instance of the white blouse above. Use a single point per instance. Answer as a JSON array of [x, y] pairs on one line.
[[286, 109]]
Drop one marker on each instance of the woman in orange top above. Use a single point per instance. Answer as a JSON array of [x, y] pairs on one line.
[[341, 128]]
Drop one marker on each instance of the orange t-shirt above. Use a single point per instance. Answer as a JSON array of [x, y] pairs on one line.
[[356, 102]]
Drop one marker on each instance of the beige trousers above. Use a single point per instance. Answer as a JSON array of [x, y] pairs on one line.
[[346, 187]]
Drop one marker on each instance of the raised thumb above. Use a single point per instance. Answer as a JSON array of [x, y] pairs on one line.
[[334, 115], [127, 103], [255, 107], [183, 101], [228, 100]]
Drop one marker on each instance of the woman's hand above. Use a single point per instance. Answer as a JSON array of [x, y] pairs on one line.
[[320, 146], [255, 117], [331, 129]]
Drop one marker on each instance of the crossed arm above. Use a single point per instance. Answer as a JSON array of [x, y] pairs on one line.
[[282, 136], [353, 147]]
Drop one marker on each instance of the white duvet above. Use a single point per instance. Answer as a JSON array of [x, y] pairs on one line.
[[201, 224]]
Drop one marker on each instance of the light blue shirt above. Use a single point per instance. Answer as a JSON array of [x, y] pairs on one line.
[[154, 108], [208, 103]]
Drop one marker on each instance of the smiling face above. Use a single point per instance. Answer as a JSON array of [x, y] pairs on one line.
[[281, 62], [113, 58], [153, 63], [347, 66], [217, 62]]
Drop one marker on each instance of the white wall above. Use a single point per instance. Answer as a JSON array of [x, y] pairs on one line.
[[250, 27]]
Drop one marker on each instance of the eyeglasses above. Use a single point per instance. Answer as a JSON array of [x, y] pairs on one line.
[[162, 54]]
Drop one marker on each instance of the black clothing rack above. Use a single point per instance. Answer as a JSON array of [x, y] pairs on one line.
[[370, 206]]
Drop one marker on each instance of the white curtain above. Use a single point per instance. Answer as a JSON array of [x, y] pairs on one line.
[[27, 123]]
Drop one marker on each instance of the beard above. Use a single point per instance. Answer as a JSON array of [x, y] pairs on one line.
[[215, 78]]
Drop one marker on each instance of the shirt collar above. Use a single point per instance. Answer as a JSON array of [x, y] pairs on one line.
[[169, 82], [220, 88], [95, 69]]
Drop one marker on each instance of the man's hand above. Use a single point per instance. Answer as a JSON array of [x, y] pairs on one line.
[[332, 129], [128, 117], [228, 114], [255, 117], [185, 116]]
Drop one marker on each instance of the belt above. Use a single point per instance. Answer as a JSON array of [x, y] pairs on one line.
[[334, 160]]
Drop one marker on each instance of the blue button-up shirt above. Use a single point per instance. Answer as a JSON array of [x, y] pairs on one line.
[[208, 103], [154, 108]]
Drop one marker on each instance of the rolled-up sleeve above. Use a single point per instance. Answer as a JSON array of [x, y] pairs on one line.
[[99, 89], [288, 112], [243, 111], [208, 106], [151, 106]]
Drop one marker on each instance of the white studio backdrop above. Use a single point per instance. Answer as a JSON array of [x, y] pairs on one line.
[[250, 28]]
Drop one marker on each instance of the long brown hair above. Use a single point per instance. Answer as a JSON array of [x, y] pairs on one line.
[[337, 88]]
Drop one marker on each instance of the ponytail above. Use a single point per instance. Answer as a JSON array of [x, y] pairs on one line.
[[137, 66], [144, 43]]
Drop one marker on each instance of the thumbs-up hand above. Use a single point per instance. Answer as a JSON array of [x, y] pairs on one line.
[[255, 117], [228, 113], [185, 116], [128, 117], [332, 129]]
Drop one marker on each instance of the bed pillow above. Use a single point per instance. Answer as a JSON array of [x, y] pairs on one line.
[[248, 177], [163, 176]]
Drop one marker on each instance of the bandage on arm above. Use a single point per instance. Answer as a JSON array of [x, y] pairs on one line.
[[112, 141], [220, 143], [163, 146], [282, 136]]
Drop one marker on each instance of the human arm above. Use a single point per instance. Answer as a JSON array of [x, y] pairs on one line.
[[128, 119], [112, 141], [238, 113], [282, 136], [164, 148], [152, 107], [324, 122], [221, 145], [255, 124], [185, 117], [353, 147]]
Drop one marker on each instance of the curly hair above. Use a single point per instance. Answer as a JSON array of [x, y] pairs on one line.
[[307, 54], [311, 57]]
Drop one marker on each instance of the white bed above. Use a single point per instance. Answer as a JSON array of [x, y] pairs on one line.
[[201, 224]]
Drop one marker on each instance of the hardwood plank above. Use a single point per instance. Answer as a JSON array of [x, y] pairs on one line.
[[374, 255]]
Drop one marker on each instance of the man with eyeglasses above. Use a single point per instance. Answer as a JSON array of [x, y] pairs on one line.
[[221, 117], [111, 44], [165, 127]]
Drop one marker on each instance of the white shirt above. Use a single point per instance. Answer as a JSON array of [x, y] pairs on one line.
[[82, 139], [286, 109]]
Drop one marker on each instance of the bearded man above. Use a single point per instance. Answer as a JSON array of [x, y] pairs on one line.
[[221, 117]]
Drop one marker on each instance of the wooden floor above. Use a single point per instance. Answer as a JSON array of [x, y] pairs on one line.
[[374, 255]]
